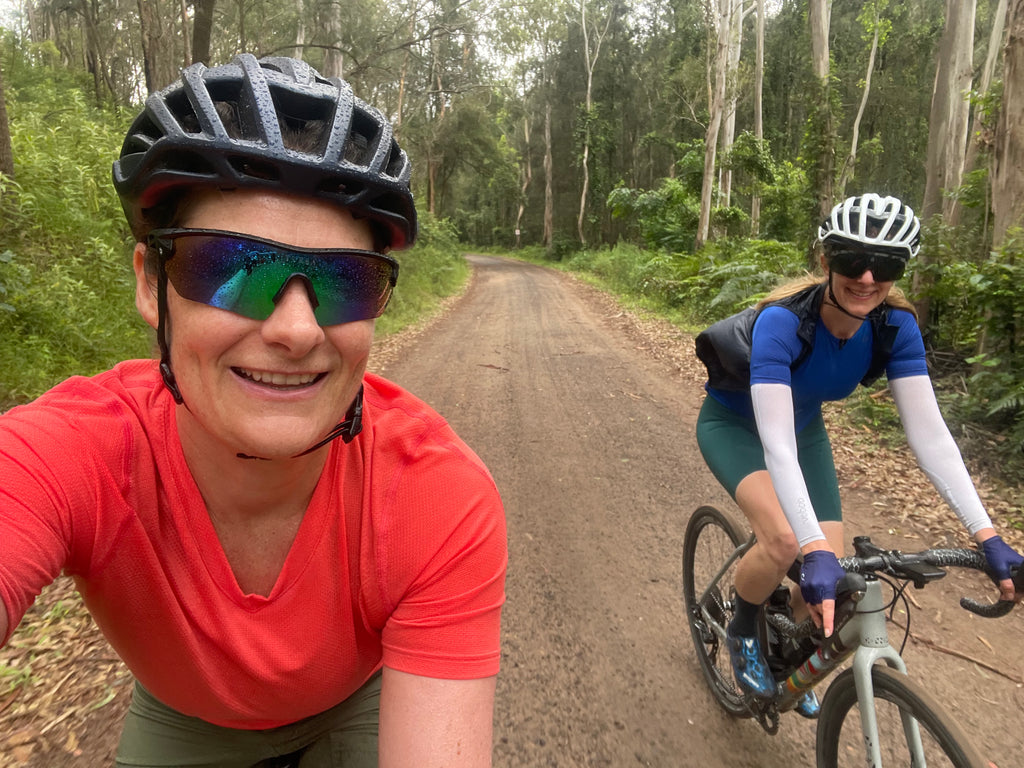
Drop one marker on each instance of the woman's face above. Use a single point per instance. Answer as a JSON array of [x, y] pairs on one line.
[[269, 388], [857, 295]]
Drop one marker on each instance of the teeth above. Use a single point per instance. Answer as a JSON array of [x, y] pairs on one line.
[[279, 379]]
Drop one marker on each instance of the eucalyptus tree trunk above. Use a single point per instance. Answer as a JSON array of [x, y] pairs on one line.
[[819, 15], [947, 124], [716, 106], [6, 150], [851, 159], [186, 57], [1008, 166], [149, 26], [736, 16], [202, 28], [947, 132], [526, 170], [549, 195], [334, 63], [755, 199], [995, 46], [590, 61]]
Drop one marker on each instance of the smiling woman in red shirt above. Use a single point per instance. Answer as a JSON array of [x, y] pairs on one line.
[[282, 596]]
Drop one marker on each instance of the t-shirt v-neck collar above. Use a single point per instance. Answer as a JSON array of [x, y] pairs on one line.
[[203, 546]]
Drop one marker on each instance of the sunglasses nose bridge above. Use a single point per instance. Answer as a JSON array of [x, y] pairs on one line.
[[305, 282]]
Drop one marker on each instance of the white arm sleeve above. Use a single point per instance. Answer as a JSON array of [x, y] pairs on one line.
[[935, 450], [773, 411]]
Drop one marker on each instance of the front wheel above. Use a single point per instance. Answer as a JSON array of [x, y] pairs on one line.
[[898, 702], [711, 540]]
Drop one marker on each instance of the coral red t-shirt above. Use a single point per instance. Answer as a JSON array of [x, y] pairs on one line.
[[399, 561]]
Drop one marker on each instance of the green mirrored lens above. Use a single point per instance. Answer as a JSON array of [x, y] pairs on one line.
[[248, 275]]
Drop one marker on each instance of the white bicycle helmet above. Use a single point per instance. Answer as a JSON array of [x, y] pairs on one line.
[[884, 223]]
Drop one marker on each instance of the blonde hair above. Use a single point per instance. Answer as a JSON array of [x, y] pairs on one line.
[[896, 298]]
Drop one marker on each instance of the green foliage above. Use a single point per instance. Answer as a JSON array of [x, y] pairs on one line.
[[697, 289], [786, 206], [428, 272], [666, 217], [735, 273], [66, 283]]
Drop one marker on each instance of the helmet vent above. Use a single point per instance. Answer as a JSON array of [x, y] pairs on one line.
[[249, 167], [188, 163], [340, 188], [395, 163], [362, 140], [179, 105]]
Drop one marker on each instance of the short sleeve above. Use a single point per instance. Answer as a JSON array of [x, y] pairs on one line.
[[775, 346]]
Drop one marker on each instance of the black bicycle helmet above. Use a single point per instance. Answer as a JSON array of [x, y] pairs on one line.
[[181, 141], [873, 221]]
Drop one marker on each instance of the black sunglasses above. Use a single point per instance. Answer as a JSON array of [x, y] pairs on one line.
[[248, 275], [884, 267]]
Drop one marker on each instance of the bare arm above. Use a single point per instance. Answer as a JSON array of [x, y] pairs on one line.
[[432, 723]]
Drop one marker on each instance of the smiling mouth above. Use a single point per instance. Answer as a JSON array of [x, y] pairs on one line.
[[279, 380]]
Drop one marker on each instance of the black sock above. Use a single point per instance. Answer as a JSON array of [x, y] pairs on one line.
[[744, 621]]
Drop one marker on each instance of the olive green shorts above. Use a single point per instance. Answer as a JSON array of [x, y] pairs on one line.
[[732, 449], [344, 736]]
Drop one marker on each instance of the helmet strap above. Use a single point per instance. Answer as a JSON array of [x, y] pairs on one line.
[[346, 430], [835, 302], [161, 336]]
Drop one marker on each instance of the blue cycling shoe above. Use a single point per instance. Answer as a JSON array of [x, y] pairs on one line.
[[808, 706], [748, 665]]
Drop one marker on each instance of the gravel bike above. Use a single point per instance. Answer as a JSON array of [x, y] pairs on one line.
[[872, 713]]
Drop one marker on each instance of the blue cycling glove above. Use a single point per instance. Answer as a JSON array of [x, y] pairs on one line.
[[818, 576], [1001, 557]]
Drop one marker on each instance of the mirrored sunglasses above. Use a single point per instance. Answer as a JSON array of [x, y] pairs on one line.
[[853, 263], [248, 275]]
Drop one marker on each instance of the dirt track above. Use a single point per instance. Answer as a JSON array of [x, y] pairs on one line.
[[587, 425], [586, 420]]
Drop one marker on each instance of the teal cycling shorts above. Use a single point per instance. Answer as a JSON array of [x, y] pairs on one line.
[[732, 449]]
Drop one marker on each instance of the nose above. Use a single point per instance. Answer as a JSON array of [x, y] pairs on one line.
[[867, 277], [292, 324]]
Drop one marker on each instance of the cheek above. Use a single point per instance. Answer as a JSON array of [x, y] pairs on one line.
[[192, 325], [352, 340]]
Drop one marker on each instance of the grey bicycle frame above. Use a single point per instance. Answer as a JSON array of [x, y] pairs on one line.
[[865, 637]]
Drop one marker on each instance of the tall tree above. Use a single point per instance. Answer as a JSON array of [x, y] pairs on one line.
[[728, 132], [995, 45], [334, 60], [877, 29], [719, 64], [755, 199], [593, 38], [947, 131], [6, 151], [1008, 166], [202, 28], [947, 123], [819, 16]]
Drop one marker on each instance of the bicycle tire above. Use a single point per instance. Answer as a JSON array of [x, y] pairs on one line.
[[840, 742], [710, 539]]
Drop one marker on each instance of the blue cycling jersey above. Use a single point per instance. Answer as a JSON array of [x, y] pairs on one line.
[[830, 371]]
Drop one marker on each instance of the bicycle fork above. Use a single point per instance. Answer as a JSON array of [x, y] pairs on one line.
[[865, 637]]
